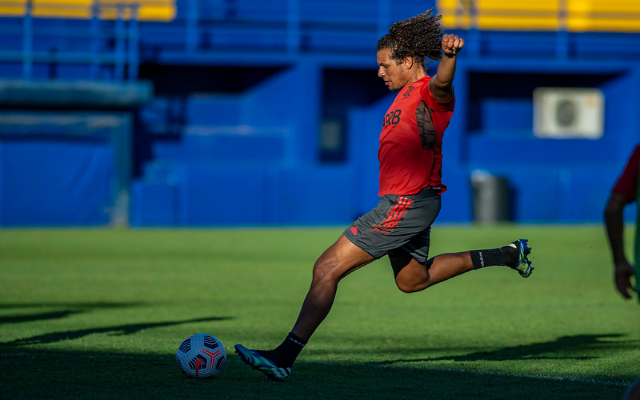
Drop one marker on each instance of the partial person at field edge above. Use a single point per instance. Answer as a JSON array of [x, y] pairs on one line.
[[625, 191], [410, 175]]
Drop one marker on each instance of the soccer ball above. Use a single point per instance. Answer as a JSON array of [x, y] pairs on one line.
[[201, 356]]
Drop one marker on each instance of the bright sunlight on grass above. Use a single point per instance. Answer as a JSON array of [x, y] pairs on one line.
[[100, 314]]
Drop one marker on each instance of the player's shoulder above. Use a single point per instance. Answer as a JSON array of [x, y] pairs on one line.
[[634, 158], [438, 105]]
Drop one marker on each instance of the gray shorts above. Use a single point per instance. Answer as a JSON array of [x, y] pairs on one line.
[[397, 223]]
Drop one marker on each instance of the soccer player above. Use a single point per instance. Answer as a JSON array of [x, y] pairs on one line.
[[624, 192], [410, 157]]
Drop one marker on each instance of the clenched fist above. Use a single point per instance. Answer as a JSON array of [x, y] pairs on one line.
[[451, 44]]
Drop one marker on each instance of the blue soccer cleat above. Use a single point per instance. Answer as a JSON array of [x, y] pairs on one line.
[[523, 265], [258, 362]]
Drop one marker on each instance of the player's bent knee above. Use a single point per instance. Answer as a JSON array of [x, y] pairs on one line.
[[411, 287], [412, 278]]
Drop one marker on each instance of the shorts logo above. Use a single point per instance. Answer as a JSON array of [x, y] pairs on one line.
[[394, 215], [354, 230]]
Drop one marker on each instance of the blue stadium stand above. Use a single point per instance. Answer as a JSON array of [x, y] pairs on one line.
[[255, 113]]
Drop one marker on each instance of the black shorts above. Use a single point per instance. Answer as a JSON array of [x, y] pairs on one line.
[[397, 223]]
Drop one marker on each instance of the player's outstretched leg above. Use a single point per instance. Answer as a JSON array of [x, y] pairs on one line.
[[259, 362], [522, 264]]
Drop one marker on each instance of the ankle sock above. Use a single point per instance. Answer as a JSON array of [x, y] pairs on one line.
[[285, 355], [506, 255]]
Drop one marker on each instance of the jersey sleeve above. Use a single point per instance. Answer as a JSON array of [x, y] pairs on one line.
[[441, 106], [627, 183]]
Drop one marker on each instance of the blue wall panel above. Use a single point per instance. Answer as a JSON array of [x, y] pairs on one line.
[[213, 110], [507, 116], [457, 201], [583, 194], [220, 195], [223, 145], [535, 195], [226, 153], [317, 195], [523, 152], [275, 101], [56, 183], [206, 195], [154, 204]]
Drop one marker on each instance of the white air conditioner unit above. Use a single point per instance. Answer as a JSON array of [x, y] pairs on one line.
[[563, 113]]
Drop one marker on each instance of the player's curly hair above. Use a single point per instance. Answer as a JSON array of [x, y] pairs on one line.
[[417, 37]]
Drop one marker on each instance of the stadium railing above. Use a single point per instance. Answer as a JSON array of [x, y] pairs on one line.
[[571, 15], [562, 25], [113, 37], [96, 34]]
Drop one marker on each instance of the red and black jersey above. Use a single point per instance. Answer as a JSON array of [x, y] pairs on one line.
[[410, 151], [628, 182]]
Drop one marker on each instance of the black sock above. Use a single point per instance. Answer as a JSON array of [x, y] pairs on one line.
[[285, 355], [506, 255]]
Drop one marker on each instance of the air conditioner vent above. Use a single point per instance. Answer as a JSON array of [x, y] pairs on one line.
[[568, 113]]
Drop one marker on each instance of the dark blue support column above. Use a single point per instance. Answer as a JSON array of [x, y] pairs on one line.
[[293, 26], [95, 40], [192, 26], [121, 140], [384, 11], [562, 39], [121, 36], [27, 41], [474, 39], [134, 36]]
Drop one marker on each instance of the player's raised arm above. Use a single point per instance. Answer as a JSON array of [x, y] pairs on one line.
[[441, 86], [614, 223]]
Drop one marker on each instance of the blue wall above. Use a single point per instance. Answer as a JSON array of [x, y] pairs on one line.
[[63, 169], [551, 180], [54, 182], [261, 124]]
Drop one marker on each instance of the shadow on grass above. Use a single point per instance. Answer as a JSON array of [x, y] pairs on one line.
[[70, 309], [114, 330], [16, 319], [70, 305], [565, 347], [94, 375]]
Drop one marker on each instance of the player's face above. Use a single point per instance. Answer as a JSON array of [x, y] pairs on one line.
[[393, 74]]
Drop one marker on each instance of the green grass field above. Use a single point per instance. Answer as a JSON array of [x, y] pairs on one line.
[[100, 313]]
